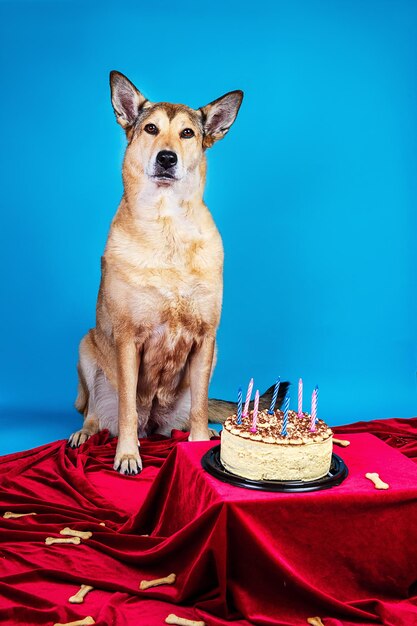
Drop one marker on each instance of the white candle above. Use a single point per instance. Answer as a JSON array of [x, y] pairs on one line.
[[313, 412], [255, 412], [248, 395], [300, 397]]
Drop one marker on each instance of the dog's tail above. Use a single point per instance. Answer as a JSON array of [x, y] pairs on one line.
[[220, 410]]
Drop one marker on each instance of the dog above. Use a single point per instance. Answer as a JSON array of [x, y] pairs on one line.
[[145, 368]]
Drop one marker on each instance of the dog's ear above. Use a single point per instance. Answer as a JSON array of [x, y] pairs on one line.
[[126, 99], [219, 115]]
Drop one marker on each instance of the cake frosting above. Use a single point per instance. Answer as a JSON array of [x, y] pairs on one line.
[[268, 455]]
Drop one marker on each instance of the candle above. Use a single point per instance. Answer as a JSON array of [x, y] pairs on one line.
[[300, 397], [285, 420], [313, 412], [317, 401], [239, 406], [255, 412], [274, 397], [248, 395]]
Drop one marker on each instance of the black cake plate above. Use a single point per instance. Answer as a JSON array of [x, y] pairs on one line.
[[337, 474]]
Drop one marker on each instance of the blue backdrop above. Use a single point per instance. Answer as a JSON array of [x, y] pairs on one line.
[[314, 189]]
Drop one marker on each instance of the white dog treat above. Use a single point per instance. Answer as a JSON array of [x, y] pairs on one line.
[[374, 477], [51, 540], [76, 533], [168, 580], [10, 515], [344, 443], [181, 621], [314, 621], [102, 524], [79, 622], [78, 598]]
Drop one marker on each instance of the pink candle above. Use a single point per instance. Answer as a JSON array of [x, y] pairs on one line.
[[300, 397], [255, 412], [313, 412], [248, 395]]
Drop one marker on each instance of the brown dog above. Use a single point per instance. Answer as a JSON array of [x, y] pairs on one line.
[[146, 366]]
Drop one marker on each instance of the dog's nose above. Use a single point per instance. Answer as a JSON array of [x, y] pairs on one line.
[[166, 159]]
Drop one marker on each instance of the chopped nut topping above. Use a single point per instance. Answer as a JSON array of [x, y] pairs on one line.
[[269, 428]]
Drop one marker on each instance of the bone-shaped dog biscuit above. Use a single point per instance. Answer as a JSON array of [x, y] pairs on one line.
[[314, 621], [78, 598], [344, 443], [374, 477], [76, 533], [168, 580], [181, 621], [79, 622], [11, 515], [51, 540]]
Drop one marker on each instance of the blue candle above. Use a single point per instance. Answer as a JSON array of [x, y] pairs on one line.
[[239, 406], [285, 420], [274, 397]]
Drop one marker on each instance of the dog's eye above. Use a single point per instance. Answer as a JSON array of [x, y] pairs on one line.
[[187, 133], [151, 129]]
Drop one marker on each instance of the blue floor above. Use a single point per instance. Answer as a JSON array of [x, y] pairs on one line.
[[24, 429]]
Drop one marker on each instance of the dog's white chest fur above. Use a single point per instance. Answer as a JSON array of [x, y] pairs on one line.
[[170, 262]]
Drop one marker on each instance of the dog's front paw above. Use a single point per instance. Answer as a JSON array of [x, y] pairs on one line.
[[77, 439], [128, 462]]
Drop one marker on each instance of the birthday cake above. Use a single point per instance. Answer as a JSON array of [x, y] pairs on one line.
[[263, 452]]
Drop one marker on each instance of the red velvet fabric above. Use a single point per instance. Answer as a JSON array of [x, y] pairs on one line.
[[348, 554]]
